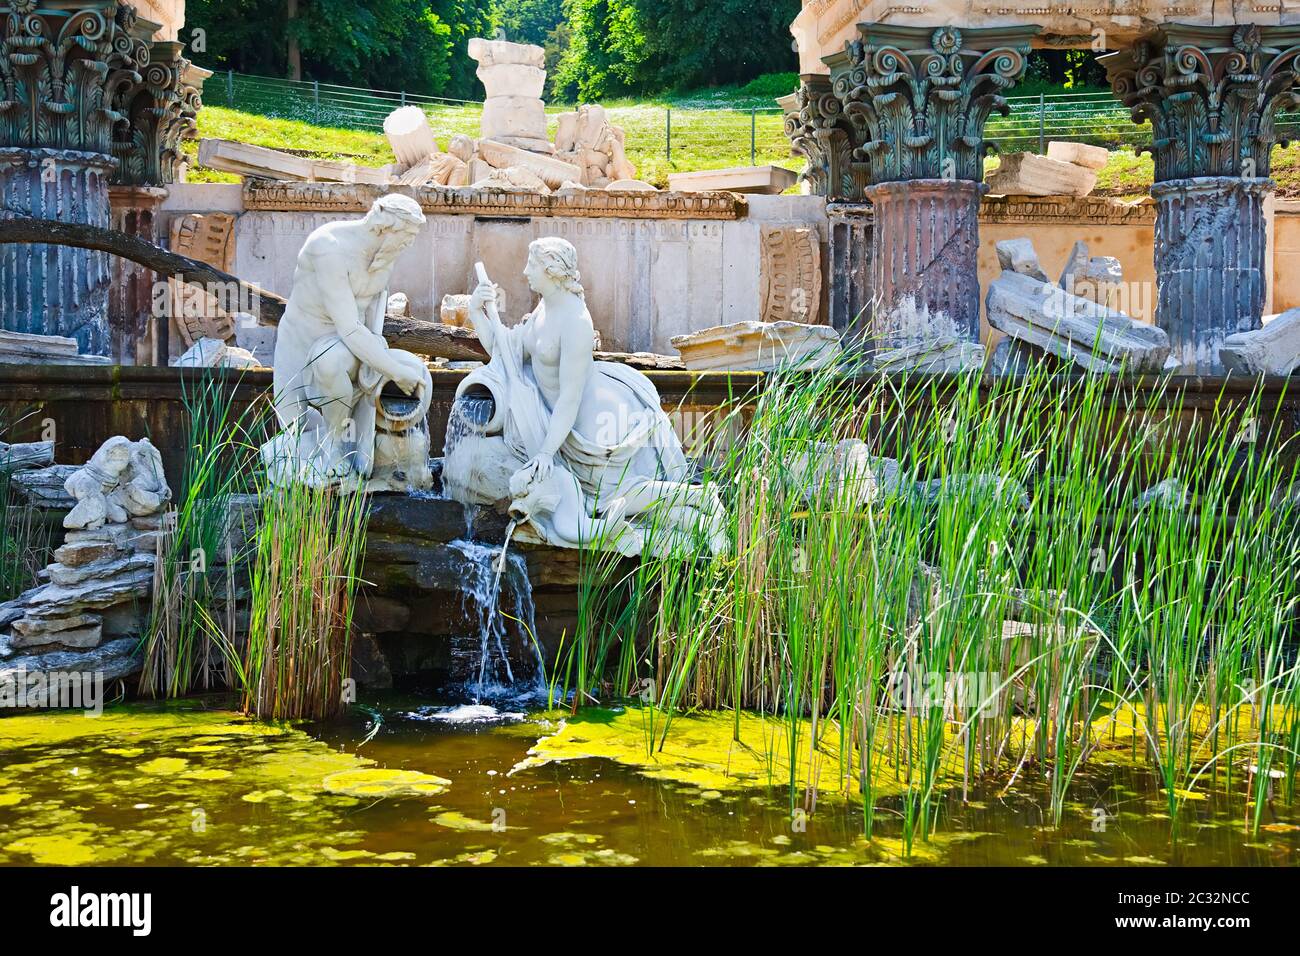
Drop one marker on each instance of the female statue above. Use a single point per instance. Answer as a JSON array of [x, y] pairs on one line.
[[580, 449]]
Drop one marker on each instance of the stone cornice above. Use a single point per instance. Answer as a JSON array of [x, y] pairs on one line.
[[593, 203], [1040, 210], [1072, 210]]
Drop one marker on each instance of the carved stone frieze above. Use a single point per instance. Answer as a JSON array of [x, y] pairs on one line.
[[591, 203]]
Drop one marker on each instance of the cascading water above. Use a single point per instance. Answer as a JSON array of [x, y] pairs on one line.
[[501, 661]]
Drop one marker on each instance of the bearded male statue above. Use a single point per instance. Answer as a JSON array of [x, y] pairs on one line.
[[331, 359]]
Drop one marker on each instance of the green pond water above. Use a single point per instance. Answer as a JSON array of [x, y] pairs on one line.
[[199, 785]]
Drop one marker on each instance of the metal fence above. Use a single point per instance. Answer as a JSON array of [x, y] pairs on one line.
[[677, 135]]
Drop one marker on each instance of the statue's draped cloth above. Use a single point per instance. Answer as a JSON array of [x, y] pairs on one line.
[[626, 454]]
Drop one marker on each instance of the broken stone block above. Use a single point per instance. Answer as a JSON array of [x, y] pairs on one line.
[[1170, 493], [1028, 174], [67, 577], [1013, 357], [25, 455], [945, 354], [1019, 255], [766, 180], [1080, 154], [1099, 279], [110, 661], [758, 346], [259, 340], [1000, 488], [83, 631], [846, 473], [259, 161], [1075, 329], [77, 554], [553, 172], [214, 353], [44, 487], [1272, 350], [514, 179], [410, 136], [630, 185], [24, 348]]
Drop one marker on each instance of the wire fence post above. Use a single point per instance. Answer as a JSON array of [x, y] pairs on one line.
[[753, 137], [668, 151], [315, 97], [230, 88], [1042, 124]]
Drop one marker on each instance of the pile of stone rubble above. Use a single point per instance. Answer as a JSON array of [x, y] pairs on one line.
[[92, 605], [513, 152], [1068, 322]]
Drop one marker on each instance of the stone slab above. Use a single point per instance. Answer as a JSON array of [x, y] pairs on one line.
[[554, 172], [258, 161], [1080, 154], [768, 180], [1073, 328], [758, 346], [114, 660], [1272, 350], [1028, 174]]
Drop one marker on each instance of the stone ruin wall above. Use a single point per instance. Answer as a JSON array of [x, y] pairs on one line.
[[649, 279]]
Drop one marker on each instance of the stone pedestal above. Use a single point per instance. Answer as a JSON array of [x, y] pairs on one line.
[[56, 290], [1211, 274], [924, 269], [135, 210]]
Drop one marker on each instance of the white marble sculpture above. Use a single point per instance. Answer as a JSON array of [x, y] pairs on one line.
[[579, 450], [123, 480], [331, 360]]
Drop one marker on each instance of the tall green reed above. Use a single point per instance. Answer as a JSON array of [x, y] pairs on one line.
[[999, 538]]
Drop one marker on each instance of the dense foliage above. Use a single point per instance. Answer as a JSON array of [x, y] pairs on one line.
[[541, 22], [414, 45], [619, 47]]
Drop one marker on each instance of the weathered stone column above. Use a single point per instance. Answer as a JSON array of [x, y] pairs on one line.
[[55, 290], [1211, 95], [922, 95], [161, 105], [1210, 249], [924, 255], [65, 63], [820, 131], [135, 210]]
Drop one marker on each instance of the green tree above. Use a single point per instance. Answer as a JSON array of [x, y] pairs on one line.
[[540, 22], [651, 46], [416, 45]]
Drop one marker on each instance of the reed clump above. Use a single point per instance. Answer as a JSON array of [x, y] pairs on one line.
[[1007, 576], [297, 659], [193, 616]]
